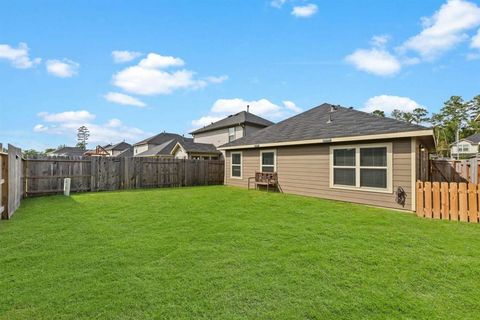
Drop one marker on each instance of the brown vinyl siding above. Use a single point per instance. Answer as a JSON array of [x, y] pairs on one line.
[[305, 170]]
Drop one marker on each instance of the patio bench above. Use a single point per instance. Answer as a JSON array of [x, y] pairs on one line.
[[268, 179]]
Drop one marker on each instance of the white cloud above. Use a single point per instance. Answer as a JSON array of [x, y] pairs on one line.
[[67, 116], [205, 121], [305, 11], [476, 40], [62, 68], [376, 61], [124, 99], [66, 124], [388, 103], [218, 79], [18, 57], [154, 60], [380, 41], [40, 128], [290, 105], [445, 29], [277, 3], [147, 81], [262, 107], [121, 56], [149, 78]]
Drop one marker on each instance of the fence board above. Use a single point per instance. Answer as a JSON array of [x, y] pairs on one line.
[[454, 201], [472, 203], [420, 199], [436, 200], [15, 182], [428, 199], [445, 199], [462, 201]]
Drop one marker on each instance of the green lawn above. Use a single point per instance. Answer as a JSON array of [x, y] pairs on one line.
[[221, 252]]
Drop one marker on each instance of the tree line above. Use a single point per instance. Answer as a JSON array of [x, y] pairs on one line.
[[456, 114]]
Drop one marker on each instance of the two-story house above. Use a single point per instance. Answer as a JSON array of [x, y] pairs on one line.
[[466, 147], [230, 128]]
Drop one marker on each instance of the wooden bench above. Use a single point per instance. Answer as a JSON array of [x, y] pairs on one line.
[[269, 179]]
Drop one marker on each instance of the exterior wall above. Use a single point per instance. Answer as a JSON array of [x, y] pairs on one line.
[[305, 170], [217, 137], [472, 148], [180, 153], [139, 149]]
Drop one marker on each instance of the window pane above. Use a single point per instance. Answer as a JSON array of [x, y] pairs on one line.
[[344, 177], [344, 157], [374, 178], [267, 168], [236, 171], [373, 157], [236, 159], [268, 158]]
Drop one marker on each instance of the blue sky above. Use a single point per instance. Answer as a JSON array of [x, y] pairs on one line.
[[64, 63]]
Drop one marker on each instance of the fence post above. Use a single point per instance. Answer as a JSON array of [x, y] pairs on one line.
[[420, 199]]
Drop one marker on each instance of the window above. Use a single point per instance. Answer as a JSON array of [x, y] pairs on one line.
[[231, 134], [267, 161], [463, 148], [362, 167], [236, 165]]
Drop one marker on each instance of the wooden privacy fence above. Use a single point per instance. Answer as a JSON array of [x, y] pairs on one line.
[[46, 175], [448, 201], [455, 170]]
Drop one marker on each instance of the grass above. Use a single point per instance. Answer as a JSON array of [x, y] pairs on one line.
[[222, 252]]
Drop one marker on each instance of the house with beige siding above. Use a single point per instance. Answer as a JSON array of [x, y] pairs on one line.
[[231, 128], [336, 153]]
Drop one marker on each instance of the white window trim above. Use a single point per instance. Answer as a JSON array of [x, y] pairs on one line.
[[274, 158], [234, 134], [241, 164], [357, 148]]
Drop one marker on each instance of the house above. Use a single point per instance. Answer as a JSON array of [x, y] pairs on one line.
[[67, 152], [187, 149], [230, 128], [99, 151], [116, 149], [157, 145], [466, 147], [336, 153]]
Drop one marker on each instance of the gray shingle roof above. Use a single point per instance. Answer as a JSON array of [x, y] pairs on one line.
[[163, 149], [314, 124], [161, 138], [191, 146], [119, 146], [239, 118], [474, 138], [127, 153], [69, 151]]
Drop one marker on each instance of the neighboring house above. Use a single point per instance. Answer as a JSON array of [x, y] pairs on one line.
[[67, 152], [171, 145], [158, 145], [99, 151], [336, 153], [230, 128], [467, 146], [187, 149], [116, 149], [127, 153]]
